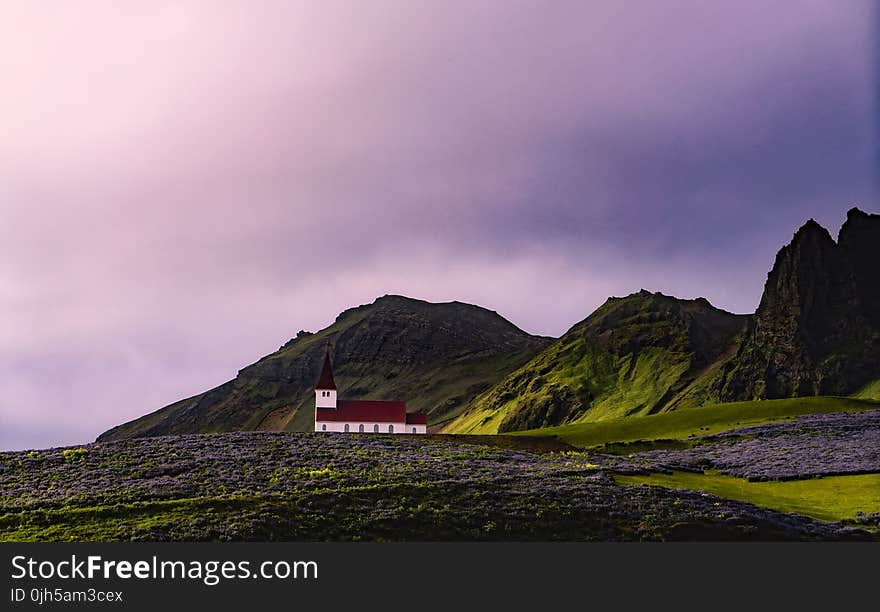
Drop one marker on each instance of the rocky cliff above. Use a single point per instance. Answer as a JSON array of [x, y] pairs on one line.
[[816, 329]]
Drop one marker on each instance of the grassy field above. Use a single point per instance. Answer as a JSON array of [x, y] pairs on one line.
[[307, 487], [833, 498], [681, 424]]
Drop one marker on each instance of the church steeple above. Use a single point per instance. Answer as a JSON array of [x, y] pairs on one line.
[[325, 388], [325, 380]]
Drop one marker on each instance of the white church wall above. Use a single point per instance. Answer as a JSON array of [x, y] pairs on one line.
[[329, 426], [369, 427]]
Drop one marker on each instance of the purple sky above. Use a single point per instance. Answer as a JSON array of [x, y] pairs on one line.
[[185, 185]]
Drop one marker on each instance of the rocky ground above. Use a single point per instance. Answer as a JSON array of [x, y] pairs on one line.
[[265, 486], [806, 447]]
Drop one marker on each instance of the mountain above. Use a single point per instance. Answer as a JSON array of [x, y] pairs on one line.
[[436, 356], [641, 354], [817, 328], [815, 332]]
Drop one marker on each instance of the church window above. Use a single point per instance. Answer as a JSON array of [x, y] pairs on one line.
[[376, 428], [324, 427], [361, 428], [414, 430], [391, 429], [346, 428]]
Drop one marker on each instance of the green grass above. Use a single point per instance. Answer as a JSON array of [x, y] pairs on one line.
[[119, 521], [869, 391], [833, 498], [681, 424]]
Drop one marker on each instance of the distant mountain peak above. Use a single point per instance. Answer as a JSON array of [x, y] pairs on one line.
[[859, 240], [396, 297], [812, 333], [811, 229], [856, 213], [659, 297], [859, 225]]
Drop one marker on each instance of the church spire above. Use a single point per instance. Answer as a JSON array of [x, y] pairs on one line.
[[325, 380]]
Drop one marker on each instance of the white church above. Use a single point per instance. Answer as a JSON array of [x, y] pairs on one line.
[[361, 416]]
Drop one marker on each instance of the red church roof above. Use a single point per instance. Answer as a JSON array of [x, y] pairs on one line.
[[364, 410], [325, 380], [416, 418], [370, 411]]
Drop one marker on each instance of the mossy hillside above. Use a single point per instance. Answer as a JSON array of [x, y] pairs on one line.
[[642, 354], [443, 391], [438, 357], [815, 333]]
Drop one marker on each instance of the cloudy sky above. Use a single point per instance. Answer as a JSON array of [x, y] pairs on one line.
[[185, 185]]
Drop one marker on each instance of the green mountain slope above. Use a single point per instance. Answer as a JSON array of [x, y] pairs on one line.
[[816, 332], [437, 357], [642, 354]]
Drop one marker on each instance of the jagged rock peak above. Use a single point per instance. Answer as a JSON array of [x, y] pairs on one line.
[[815, 330], [855, 213], [858, 222], [859, 239], [812, 229]]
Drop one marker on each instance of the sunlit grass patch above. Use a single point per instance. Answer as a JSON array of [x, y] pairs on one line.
[[704, 420], [833, 498]]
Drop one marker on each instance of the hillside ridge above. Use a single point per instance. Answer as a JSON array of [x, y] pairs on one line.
[[435, 356], [816, 331]]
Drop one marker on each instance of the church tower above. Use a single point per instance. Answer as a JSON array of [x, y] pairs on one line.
[[325, 388]]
